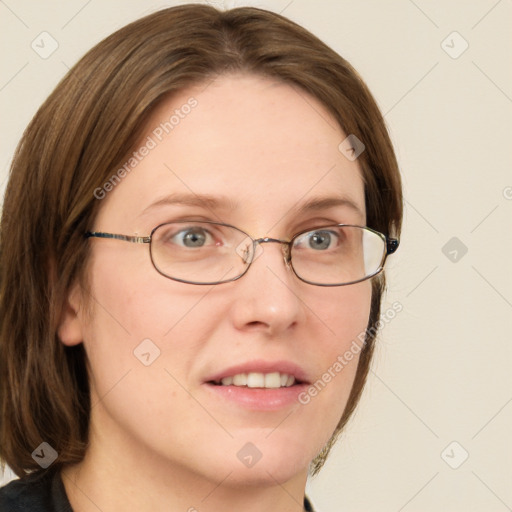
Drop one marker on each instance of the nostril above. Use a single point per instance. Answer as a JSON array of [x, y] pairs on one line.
[[256, 324]]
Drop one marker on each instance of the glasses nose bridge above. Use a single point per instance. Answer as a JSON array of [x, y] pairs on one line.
[[268, 240]]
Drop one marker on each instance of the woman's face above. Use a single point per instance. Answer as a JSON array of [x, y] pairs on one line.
[[262, 156]]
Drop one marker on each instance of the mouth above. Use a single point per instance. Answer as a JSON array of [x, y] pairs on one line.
[[259, 385], [272, 380]]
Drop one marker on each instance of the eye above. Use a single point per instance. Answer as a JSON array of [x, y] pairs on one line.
[[318, 240], [321, 240], [192, 237]]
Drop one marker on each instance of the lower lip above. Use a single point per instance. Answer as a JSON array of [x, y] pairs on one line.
[[259, 399]]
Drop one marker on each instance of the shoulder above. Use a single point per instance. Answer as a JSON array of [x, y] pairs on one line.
[[38, 492]]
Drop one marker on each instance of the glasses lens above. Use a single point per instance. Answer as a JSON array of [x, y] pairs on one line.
[[336, 255], [200, 252]]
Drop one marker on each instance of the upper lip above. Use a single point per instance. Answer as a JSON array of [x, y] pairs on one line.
[[261, 366]]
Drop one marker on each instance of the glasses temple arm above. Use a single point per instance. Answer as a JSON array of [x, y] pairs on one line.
[[126, 238]]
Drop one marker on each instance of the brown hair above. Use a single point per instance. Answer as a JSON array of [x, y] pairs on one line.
[[81, 134]]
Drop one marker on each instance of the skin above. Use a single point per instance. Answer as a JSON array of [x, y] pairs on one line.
[[159, 439]]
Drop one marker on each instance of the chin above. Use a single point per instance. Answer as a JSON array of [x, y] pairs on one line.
[[268, 473], [269, 457]]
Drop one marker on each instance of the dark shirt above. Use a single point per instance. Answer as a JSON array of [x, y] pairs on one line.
[[44, 492], [38, 492]]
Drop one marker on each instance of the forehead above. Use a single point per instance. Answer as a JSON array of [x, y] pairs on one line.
[[265, 146]]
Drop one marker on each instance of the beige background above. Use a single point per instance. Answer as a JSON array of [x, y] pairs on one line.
[[442, 371]]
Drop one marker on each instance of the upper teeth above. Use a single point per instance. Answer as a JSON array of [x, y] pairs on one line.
[[259, 380]]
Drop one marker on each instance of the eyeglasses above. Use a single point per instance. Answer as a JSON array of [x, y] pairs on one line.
[[207, 253]]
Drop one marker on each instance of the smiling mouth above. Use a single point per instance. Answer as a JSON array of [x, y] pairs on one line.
[[273, 380]]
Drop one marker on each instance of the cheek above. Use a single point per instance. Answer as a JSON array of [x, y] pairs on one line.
[[136, 312], [344, 317], [345, 313], [132, 300], [137, 327]]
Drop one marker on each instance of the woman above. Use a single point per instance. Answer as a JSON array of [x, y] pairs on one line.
[[193, 237]]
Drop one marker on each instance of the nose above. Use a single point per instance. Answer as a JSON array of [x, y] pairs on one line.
[[267, 298]]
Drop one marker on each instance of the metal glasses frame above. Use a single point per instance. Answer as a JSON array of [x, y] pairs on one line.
[[390, 244]]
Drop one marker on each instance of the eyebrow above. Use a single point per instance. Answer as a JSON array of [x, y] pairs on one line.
[[214, 203], [324, 203], [206, 201]]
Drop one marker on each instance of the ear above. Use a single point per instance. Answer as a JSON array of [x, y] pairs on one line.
[[70, 330]]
